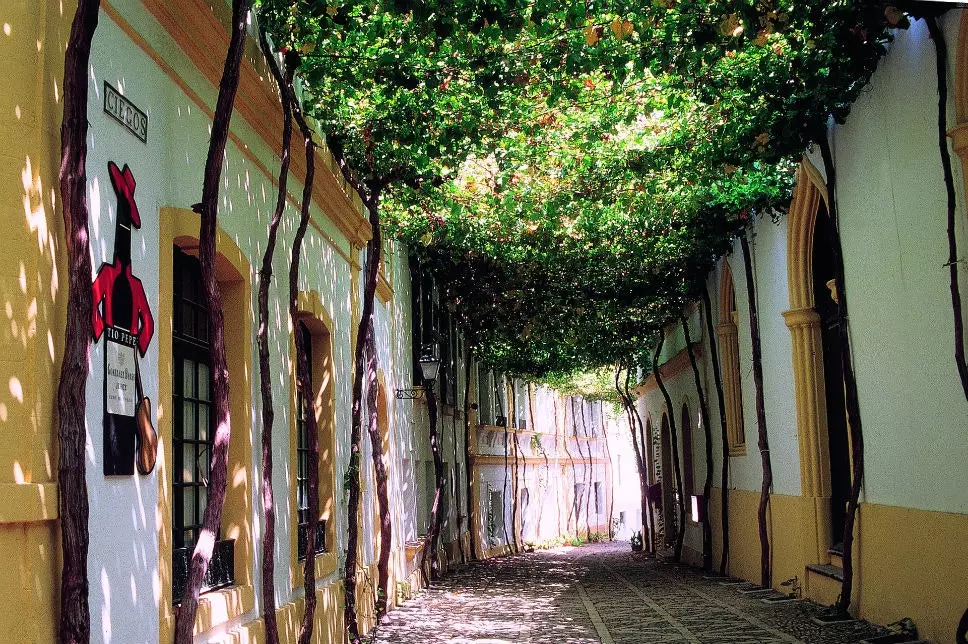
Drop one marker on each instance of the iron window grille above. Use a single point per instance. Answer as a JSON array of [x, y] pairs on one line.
[[193, 429], [302, 464]]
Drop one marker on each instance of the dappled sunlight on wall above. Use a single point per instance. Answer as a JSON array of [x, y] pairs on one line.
[[31, 330]]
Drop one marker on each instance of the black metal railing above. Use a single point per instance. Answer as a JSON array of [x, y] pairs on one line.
[[302, 535], [221, 569]]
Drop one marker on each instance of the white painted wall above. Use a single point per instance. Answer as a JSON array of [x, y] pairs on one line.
[[892, 213], [123, 565]]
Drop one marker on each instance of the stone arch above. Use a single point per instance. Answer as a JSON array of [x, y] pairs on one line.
[[959, 133], [647, 450], [961, 71], [386, 444], [667, 478], [727, 295], [312, 312], [809, 194]]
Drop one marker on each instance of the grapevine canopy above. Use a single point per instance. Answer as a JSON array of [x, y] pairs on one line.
[[570, 172]]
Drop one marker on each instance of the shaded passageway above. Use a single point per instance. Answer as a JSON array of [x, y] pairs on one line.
[[600, 593]]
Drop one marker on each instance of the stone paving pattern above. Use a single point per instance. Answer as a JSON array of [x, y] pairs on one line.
[[600, 593]]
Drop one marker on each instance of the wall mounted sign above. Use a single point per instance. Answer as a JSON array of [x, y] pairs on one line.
[[125, 112], [123, 316]]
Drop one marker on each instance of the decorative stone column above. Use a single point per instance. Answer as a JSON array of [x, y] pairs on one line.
[[808, 385]]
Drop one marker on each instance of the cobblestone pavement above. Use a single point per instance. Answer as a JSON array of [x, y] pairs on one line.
[[599, 593]]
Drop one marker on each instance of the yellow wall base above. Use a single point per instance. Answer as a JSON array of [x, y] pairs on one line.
[[913, 564], [908, 562], [786, 518], [821, 589], [328, 627], [29, 570]]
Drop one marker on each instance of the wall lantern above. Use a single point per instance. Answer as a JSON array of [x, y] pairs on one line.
[[429, 366]]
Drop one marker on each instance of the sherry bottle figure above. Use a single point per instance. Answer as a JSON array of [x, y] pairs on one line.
[[123, 317]]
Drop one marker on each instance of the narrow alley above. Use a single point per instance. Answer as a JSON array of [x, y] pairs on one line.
[[307, 302], [600, 593]]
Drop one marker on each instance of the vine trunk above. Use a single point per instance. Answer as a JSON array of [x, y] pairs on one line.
[[208, 214]]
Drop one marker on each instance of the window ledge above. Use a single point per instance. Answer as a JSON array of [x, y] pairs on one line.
[[383, 289], [737, 450], [219, 606], [28, 502], [413, 548], [325, 566]]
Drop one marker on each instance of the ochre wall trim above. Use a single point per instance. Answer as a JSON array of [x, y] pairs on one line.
[[180, 226], [202, 34], [28, 502], [348, 224], [672, 368], [807, 357]]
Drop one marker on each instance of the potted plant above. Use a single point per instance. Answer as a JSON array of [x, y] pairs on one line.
[[637, 542]]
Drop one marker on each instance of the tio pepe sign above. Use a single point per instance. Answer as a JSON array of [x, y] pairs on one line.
[[125, 112]]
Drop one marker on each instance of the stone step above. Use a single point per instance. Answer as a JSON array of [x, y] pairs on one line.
[[827, 570], [836, 555], [893, 638], [824, 583]]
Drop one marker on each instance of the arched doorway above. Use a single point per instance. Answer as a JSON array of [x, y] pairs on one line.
[[825, 303], [667, 476], [650, 518], [814, 350]]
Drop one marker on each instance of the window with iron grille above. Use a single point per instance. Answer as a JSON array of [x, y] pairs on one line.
[[193, 427], [302, 462]]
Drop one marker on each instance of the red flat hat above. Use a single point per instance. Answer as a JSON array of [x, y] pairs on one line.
[[124, 185]]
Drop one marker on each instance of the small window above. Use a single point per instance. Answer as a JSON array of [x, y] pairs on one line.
[[598, 497], [443, 505], [729, 355], [445, 375], [485, 389], [430, 489], [521, 407], [500, 408]]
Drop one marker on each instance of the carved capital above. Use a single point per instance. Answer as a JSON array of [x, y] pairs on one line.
[[726, 330], [799, 318], [959, 140]]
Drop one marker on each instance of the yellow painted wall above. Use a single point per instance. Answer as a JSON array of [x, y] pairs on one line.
[[327, 627], [785, 518], [913, 564], [32, 275], [29, 580], [909, 562]]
